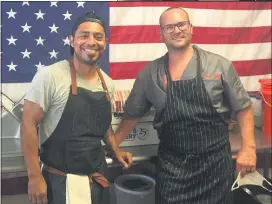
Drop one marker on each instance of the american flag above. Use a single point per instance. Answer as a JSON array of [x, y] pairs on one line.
[[35, 34], [239, 31]]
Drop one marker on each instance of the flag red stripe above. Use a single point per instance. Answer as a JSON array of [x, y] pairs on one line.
[[198, 5], [129, 70], [201, 35]]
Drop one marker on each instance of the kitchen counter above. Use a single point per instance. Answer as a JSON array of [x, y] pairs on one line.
[[12, 158]]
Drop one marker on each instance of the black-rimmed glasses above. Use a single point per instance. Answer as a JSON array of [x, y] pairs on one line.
[[170, 28]]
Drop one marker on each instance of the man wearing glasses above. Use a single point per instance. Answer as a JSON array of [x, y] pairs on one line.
[[193, 92]]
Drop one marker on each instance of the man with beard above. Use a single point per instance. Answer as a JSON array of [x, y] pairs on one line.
[[193, 92], [71, 103]]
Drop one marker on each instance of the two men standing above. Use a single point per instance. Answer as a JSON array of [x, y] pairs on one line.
[[71, 101]]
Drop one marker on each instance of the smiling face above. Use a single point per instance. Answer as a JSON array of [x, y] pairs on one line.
[[175, 29], [89, 42]]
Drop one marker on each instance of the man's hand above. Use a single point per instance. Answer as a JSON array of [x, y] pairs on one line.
[[246, 160], [125, 158], [37, 190]]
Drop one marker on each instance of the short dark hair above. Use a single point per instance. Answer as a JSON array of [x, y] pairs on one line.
[[86, 17]]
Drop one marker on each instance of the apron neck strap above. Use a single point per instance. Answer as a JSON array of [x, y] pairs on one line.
[[73, 79], [103, 83], [198, 67]]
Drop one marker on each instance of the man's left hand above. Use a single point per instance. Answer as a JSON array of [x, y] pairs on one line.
[[246, 160]]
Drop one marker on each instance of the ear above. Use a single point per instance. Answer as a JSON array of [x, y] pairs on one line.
[[160, 31], [106, 42], [71, 39], [192, 29]]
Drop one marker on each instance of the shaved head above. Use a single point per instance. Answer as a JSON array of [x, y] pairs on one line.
[[173, 8], [175, 28]]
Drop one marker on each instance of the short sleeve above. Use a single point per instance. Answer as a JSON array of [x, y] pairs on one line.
[[234, 91], [137, 104], [41, 89]]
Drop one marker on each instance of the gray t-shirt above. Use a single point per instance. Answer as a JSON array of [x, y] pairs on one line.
[[222, 83], [50, 89]]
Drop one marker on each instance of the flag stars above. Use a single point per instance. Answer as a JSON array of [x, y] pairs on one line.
[[25, 3], [40, 41], [66, 41], [12, 66], [80, 4], [11, 14], [26, 28], [11, 40], [39, 66], [53, 54], [54, 3], [39, 15], [67, 15], [26, 54], [53, 28]]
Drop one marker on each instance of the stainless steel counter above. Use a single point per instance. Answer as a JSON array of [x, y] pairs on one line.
[[12, 158]]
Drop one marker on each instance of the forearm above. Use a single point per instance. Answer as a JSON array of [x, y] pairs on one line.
[[246, 123], [125, 128], [29, 145], [110, 140]]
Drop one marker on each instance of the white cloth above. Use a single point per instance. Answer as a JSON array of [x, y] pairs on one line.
[[253, 178], [78, 189]]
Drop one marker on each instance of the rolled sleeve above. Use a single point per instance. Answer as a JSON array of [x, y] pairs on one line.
[[137, 104], [234, 91]]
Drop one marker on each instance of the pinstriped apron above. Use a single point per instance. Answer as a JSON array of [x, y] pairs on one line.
[[194, 157]]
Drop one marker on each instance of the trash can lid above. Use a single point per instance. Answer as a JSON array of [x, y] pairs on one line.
[[135, 183]]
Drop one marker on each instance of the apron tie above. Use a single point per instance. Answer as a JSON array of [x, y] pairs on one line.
[[99, 178]]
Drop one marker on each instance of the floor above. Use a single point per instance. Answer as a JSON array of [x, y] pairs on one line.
[[23, 199]]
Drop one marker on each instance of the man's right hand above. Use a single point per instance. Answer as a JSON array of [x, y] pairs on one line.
[[125, 158], [37, 190]]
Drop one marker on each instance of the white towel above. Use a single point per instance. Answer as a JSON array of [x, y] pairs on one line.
[[78, 189]]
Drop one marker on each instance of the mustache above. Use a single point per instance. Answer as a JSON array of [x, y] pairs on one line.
[[95, 47], [179, 35], [91, 48]]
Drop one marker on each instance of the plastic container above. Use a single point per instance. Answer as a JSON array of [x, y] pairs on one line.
[[134, 189], [266, 92]]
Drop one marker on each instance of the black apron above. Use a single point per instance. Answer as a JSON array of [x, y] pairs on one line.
[[75, 145], [194, 157]]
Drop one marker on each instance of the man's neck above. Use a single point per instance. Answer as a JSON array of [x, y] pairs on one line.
[[85, 71], [177, 56]]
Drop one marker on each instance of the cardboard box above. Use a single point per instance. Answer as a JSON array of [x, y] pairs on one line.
[[143, 134]]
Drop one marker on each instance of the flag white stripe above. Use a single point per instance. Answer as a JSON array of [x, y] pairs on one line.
[[151, 51], [124, 16], [251, 83]]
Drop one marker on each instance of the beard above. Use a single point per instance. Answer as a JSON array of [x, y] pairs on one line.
[[178, 45], [91, 59]]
